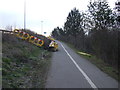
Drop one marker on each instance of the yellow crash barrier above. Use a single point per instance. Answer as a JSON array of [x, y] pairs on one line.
[[40, 42], [49, 37], [21, 34], [35, 40], [31, 39], [26, 36], [16, 32]]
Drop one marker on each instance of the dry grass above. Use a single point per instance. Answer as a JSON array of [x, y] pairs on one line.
[[24, 65]]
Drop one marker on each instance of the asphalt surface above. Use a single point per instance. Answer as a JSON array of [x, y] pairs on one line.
[[69, 70]]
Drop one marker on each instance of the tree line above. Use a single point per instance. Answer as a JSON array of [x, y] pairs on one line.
[[95, 31]]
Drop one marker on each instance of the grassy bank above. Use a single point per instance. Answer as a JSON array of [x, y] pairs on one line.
[[99, 63], [24, 65]]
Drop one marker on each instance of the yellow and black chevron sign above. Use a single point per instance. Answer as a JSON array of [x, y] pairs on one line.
[[35, 40], [25, 36]]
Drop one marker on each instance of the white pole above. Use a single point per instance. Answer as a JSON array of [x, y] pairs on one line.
[[41, 27], [24, 14]]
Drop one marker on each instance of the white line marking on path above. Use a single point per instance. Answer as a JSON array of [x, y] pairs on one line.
[[84, 74]]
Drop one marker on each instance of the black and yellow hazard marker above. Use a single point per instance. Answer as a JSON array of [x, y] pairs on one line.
[[21, 34], [26, 36], [40, 42], [32, 39], [16, 32]]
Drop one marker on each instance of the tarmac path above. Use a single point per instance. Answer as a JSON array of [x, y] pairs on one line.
[[69, 70]]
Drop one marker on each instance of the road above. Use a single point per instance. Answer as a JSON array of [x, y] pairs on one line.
[[69, 70]]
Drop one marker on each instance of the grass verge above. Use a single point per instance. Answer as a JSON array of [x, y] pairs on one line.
[[114, 73], [24, 65]]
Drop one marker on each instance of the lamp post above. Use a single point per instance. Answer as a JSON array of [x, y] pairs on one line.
[[41, 27], [24, 14]]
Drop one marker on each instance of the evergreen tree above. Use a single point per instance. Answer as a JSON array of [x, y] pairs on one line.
[[58, 33], [102, 14], [55, 33], [117, 8], [72, 25]]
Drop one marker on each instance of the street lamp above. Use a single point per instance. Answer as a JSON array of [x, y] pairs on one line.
[[41, 27], [24, 14]]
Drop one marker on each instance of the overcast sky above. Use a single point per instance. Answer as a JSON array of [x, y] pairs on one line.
[[53, 13]]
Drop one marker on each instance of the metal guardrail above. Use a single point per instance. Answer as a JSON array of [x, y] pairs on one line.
[[3, 31]]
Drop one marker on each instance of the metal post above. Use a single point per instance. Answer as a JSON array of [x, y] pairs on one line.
[[24, 14], [41, 27], [1, 59]]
